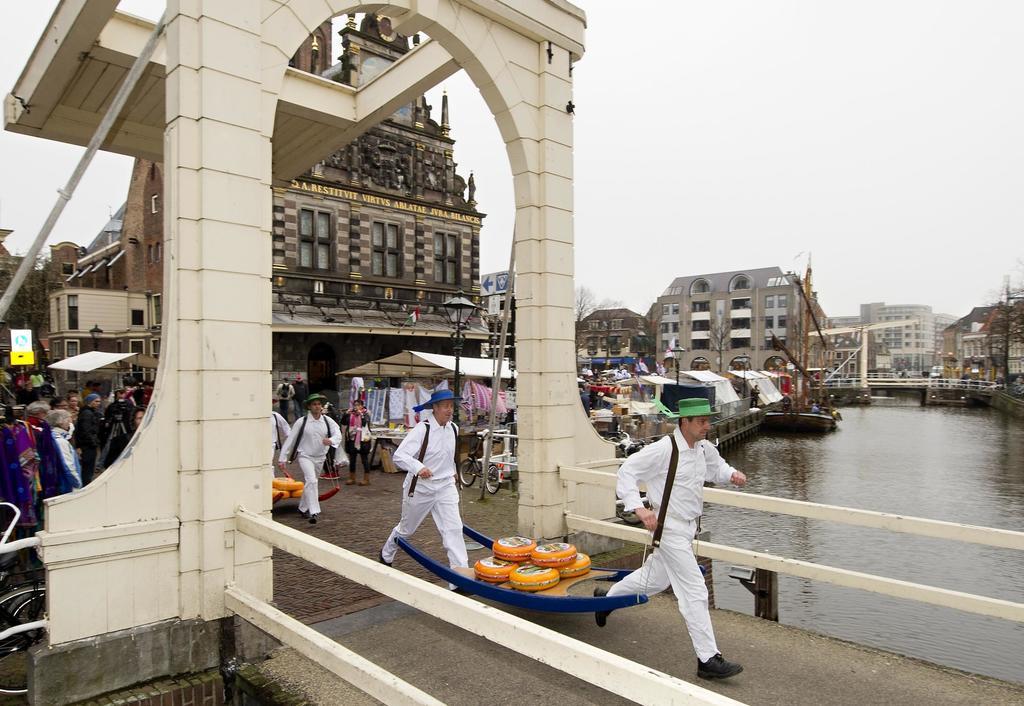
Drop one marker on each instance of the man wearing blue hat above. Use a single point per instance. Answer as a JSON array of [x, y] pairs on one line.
[[427, 454], [674, 469]]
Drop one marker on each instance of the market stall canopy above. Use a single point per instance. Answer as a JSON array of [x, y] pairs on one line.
[[656, 380], [93, 360], [766, 389], [413, 364]]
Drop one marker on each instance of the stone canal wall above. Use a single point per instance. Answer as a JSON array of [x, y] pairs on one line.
[[1009, 404]]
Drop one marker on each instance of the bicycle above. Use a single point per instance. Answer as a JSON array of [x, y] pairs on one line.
[[22, 612], [471, 466]]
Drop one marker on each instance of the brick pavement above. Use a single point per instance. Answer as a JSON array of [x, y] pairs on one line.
[[360, 518]]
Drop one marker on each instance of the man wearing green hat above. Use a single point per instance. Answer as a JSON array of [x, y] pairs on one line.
[[674, 469], [311, 435]]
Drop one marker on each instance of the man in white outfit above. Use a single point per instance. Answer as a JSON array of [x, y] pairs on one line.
[[427, 454], [674, 525], [279, 431], [310, 437]]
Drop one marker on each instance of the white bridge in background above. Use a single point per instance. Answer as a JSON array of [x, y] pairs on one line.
[[888, 380]]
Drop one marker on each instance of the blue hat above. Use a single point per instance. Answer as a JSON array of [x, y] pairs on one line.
[[436, 396], [90, 397]]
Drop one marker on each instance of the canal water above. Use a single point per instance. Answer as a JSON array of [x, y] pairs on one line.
[[960, 465]]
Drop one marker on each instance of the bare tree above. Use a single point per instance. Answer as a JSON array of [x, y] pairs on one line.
[[586, 303], [1006, 327], [720, 337]]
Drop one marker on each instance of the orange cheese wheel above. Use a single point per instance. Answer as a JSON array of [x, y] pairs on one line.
[[494, 570], [528, 577], [577, 568], [287, 484], [296, 493], [513, 548], [556, 554]]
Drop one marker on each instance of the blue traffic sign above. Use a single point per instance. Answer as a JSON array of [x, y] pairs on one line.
[[494, 283]]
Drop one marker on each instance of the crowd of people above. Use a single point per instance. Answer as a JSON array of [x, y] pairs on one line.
[[56, 444]]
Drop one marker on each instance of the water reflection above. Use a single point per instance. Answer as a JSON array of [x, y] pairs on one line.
[[948, 464]]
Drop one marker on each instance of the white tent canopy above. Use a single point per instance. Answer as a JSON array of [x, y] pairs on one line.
[[87, 362], [766, 389], [414, 364]]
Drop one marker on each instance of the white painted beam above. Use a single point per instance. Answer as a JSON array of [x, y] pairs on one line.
[[402, 82], [940, 529], [70, 32], [982, 605], [611, 672], [356, 670]]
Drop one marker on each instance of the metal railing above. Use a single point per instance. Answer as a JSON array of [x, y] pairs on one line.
[[885, 380], [608, 671], [971, 603]]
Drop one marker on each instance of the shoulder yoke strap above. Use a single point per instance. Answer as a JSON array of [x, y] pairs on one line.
[[667, 493], [298, 438], [422, 454], [458, 481]]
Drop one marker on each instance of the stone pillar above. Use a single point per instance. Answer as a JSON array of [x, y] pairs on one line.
[[545, 337], [217, 159]]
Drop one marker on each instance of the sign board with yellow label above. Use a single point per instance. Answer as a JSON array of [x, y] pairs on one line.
[[23, 358]]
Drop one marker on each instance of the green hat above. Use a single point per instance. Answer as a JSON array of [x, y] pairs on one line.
[[691, 407], [316, 396]]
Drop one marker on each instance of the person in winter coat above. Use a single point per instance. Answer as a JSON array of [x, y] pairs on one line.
[[62, 430], [87, 435], [356, 427]]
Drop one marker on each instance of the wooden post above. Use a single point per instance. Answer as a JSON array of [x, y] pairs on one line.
[[766, 595]]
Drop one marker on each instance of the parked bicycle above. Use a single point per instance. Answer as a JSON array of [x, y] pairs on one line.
[[472, 466], [22, 610]]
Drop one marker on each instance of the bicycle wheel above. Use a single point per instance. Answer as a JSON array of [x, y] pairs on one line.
[[22, 604], [14, 667], [469, 469], [493, 481]]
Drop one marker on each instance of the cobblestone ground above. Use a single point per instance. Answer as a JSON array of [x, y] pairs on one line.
[[360, 518]]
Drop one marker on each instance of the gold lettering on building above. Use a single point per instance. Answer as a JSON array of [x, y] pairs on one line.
[[349, 195]]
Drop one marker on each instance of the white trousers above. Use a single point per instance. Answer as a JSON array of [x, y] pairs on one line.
[[310, 500], [441, 499], [673, 564]]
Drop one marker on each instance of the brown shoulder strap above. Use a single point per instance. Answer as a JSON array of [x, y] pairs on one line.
[[667, 493], [422, 454]]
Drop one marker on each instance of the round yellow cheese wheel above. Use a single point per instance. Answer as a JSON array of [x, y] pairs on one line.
[[513, 548], [287, 484], [577, 568], [494, 570], [528, 577], [556, 554]]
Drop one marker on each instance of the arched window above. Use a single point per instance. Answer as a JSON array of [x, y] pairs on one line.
[[700, 286], [739, 282], [740, 362], [774, 363], [700, 363]]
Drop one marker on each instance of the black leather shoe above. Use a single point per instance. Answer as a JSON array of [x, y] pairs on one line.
[[312, 519], [380, 558], [718, 668], [601, 616]]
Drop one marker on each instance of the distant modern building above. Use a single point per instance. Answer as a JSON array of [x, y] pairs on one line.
[[612, 336], [916, 347], [725, 320]]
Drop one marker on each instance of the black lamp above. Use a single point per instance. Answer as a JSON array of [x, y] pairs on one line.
[[95, 332], [458, 310]]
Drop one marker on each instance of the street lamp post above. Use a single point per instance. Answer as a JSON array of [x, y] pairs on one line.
[[677, 352], [95, 332], [458, 309]]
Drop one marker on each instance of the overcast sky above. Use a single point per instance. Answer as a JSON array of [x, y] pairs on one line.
[[883, 137]]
